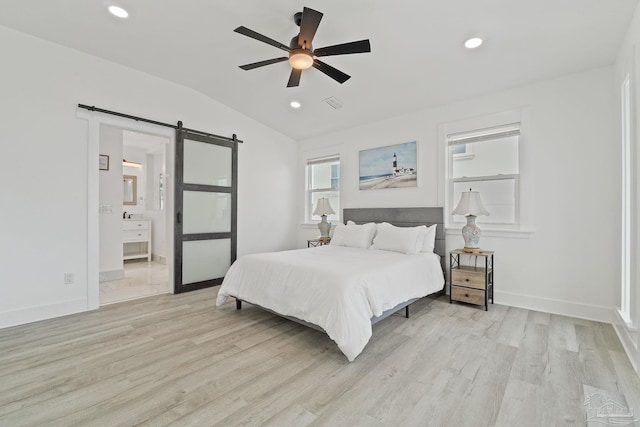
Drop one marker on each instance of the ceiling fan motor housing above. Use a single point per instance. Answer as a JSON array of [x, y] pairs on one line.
[[294, 44]]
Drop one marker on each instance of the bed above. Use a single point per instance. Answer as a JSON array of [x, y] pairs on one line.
[[344, 290]]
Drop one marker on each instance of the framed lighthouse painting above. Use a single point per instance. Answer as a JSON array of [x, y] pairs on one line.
[[393, 166]]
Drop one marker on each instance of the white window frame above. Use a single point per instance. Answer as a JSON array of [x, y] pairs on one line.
[[309, 191], [468, 138]]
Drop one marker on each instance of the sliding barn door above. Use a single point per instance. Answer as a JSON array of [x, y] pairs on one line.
[[205, 209]]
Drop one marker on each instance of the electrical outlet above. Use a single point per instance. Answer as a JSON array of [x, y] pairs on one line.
[[68, 278]]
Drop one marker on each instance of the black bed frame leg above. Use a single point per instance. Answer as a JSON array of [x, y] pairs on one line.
[[238, 304], [406, 312]]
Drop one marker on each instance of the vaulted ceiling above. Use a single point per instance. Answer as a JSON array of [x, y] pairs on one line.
[[417, 59]]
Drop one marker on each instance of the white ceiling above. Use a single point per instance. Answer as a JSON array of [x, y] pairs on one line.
[[417, 58]]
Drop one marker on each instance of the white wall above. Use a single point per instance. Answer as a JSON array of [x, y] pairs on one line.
[[567, 263], [43, 212], [111, 264], [628, 63]]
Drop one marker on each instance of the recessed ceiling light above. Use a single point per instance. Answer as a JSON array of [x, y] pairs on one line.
[[118, 11], [473, 43], [295, 104]]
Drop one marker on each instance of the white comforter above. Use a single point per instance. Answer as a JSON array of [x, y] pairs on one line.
[[337, 288]]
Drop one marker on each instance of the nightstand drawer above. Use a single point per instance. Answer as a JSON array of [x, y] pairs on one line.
[[469, 277], [472, 296]]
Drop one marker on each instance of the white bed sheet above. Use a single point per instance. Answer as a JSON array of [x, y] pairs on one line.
[[337, 288]]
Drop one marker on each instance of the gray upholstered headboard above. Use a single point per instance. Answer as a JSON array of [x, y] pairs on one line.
[[402, 217]]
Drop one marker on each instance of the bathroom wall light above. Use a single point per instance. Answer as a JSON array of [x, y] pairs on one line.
[[134, 164]]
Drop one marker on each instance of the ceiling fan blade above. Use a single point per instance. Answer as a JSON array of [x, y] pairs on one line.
[[361, 46], [250, 33], [308, 26], [248, 67], [294, 78], [335, 74]]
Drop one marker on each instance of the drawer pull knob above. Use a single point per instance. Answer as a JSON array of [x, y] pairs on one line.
[[466, 295], [466, 280]]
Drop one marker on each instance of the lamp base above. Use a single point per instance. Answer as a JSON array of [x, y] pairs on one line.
[[471, 235], [472, 250], [324, 227]]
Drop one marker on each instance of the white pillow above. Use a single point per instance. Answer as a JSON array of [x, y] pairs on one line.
[[355, 236], [427, 242], [398, 239], [351, 222]]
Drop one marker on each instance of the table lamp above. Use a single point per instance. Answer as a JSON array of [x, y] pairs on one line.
[[323, 208], [471, 206]]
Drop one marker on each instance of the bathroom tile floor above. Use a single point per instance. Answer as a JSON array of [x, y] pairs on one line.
[[141, 279]]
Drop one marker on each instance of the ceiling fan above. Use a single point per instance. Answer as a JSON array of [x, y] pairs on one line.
[[301, 52]]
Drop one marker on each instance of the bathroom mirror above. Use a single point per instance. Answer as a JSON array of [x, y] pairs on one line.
[[130, 183]]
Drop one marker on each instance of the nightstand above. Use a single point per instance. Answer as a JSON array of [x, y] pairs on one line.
[[473, 282], [320, 241]]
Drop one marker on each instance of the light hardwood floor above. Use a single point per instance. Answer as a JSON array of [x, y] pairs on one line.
[[179, 360]]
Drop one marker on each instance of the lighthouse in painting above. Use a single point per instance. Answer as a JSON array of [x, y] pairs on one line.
[[401, 171]]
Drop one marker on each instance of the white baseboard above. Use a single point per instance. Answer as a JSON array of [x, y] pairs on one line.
[[42, 312], [107, 276], [159, 259], [547, 305], [628, 342]]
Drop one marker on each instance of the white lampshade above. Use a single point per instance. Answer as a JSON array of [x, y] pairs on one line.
[[470, 204], [323, 207]]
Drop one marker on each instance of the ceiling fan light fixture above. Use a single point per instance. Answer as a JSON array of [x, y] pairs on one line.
[[300, 59]]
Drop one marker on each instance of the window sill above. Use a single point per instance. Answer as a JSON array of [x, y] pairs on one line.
[[494, 232]]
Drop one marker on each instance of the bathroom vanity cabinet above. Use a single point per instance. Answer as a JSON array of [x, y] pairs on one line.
[[136, 238]]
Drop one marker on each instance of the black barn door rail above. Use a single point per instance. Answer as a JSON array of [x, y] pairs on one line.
[[234, 138]]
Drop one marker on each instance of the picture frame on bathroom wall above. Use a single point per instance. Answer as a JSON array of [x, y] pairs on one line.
[[104, 162]]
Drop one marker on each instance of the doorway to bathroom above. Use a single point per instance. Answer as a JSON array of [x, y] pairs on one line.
[[134, 227]]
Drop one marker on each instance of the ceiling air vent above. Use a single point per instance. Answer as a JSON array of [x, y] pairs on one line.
[[334, 102]]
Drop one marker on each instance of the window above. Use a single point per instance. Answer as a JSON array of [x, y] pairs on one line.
[[625, 291], [486, 160], [323, 180]]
